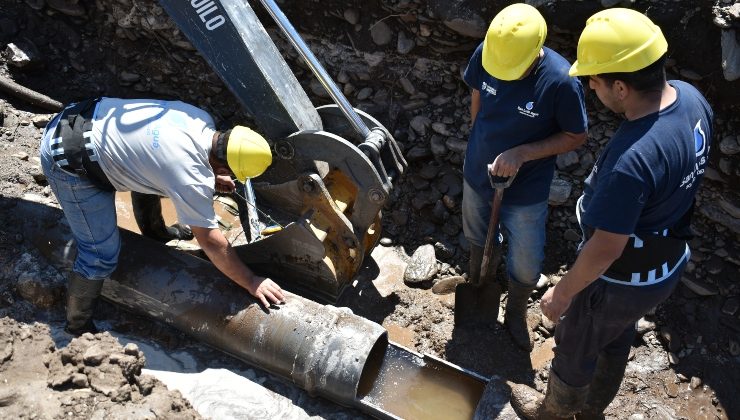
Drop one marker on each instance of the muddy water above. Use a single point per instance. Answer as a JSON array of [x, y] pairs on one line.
[[228, 221], [404, 384]]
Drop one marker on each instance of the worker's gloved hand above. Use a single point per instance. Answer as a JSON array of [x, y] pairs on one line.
[[180, 231]]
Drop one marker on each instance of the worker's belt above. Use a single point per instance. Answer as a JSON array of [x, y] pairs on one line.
[[648, 258], [71, 147]]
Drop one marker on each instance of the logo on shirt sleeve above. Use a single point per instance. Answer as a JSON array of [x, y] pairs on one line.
[[700, 139], [701, 149], [527, 110], [488, 88]]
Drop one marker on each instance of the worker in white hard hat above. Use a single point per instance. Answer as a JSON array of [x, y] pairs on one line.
[[525, 110], [152, 148], [635, 213]]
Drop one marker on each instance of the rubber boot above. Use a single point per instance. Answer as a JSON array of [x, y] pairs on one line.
[[515, 317], [82, 294], [561, 401], [604, 386], [148, 215]]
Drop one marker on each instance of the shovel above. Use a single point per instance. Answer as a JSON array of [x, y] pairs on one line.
[[479, 303]]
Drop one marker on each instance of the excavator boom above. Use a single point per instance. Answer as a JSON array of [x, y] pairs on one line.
[[333, 166]]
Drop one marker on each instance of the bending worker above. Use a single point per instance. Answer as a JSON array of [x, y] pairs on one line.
[[635, 213], [156, 148], [525, 110]]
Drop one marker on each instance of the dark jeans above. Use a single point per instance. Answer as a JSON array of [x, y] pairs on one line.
[[601, 318]]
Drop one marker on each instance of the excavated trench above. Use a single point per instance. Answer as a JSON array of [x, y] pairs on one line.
[[147, 57]]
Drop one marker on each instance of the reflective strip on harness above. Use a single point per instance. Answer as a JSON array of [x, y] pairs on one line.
[[72, 148], [646, 259]]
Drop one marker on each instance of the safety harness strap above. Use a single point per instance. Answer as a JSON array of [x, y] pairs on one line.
[[78, 155]]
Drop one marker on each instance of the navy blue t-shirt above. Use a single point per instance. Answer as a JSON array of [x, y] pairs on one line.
[[517, 112], [647, 175]]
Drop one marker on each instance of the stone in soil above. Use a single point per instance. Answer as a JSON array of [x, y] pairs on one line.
[[423, 265]]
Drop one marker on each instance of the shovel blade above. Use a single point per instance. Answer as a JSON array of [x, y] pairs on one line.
[[477, 304]]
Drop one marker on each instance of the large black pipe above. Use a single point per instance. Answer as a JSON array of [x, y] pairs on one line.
[[322, 349]]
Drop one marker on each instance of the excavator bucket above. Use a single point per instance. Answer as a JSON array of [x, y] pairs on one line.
[[333, 167]]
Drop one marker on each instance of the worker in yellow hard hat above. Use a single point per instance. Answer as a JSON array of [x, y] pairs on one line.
[[635, 213], [152, 148], [525, 109]]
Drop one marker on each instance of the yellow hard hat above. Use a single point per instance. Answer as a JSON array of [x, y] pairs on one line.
[[513, 41], [618, 41], [247, 153]]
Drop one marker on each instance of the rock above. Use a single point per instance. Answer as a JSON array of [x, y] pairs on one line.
[[381, 33], [22, 54], [407, 86], [79, 380], [673, 358], [671, 388], [456, 145], [386, 241], [95, 355], [373, 59], [547, 323], [128, 77], [422, 266], [699, 287], [41, 120], [404, 44], [730, 203], [543, 282], [453, 184], [560, 190], [20, 155], [364, 93], [447, 285], [566, 160], [695, 382], [572, 236], [352, 16], [643, 326], [420, 124], [714, 212], [729, 145], [734, 348], [440, 128], [67, 7], [731, 306], [444, 250], [318, 89], [730, 55], [418, 153], [440, 212], [437, 144]]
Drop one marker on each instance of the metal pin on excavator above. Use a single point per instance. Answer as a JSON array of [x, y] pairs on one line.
[[333, 166]]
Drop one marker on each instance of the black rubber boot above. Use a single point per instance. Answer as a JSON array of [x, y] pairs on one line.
[[148, 215], [561, 401], [82, 294], [515, 317], [604, 386]]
